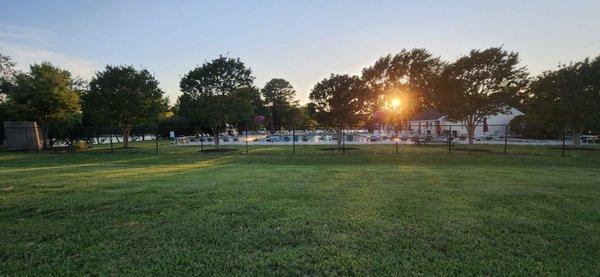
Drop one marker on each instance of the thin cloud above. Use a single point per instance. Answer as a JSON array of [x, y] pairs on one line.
[[25, 56], [25, 46], [9, 31]]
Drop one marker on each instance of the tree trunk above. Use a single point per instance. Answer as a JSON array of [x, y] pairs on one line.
[[471, 133], [216, 138], [272, 128], [576, 137], [338, 131], [45, 130], [126, 132]]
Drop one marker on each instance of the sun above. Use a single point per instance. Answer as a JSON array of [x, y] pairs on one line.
[[395, 103]]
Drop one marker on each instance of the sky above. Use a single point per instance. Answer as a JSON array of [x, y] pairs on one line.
[[300, 41]]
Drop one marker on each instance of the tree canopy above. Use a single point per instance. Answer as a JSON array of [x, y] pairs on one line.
[[7, 73], [122, 96], [221, 93], [340, 101], [279, 99], [566, 99], [480, 84], [405, 77], [216, 93], [45, 94]]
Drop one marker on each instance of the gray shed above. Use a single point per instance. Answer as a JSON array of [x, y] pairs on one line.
[[22, 136]]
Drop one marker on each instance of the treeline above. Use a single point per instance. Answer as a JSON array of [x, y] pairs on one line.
[[221, 93]]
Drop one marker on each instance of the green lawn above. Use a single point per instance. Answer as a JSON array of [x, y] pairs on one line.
[[317, 212]]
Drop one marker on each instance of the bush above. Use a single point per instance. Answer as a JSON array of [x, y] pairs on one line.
[[81, 145]]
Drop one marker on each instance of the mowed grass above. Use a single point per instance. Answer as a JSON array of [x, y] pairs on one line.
[[368, 212]]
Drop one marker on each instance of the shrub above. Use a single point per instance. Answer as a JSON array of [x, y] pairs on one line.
[[81, 145]]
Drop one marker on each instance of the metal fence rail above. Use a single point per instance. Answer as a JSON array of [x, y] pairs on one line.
[[339, 139]]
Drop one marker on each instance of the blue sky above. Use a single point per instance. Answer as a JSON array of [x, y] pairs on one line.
[[301, 41]]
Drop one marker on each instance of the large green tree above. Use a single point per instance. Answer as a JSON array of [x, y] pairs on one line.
[[7, 72], [279, 99], [45, 94], [404, 79], [478, 85], [340, 101], [566, 99], [217, 93], [304, 117], [122, 96]]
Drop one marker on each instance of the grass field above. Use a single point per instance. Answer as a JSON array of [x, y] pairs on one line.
[[317, 212]]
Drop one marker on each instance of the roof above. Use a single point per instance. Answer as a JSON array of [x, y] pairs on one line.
[[428, 114]]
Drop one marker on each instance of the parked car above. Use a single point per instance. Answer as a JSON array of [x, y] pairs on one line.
[[274, 138], [375, 139]]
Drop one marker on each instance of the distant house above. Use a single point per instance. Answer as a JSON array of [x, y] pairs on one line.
[[431, 122]]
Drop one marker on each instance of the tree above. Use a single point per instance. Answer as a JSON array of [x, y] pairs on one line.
[[279, 99], [45, 94], [402, 83], [217, 93], [242, 107], [257, 105], [303, 117], [566, 99], [528, 126], [479, 85], [340, 101], [121, 96], [7, 73], [6, 114]]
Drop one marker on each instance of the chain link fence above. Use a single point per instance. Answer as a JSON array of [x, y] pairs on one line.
[[426, 138]]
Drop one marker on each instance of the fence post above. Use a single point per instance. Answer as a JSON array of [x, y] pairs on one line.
[[72, 143], [110, 135], [294, 141], [95, 136], [563, 145], [156, 140], [246, 140], [343, 141], [505, 138], [201, 140], [28, 142], [397, 139], [450, 141]]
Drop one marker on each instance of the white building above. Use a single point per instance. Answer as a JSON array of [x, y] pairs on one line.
[[431, 122]]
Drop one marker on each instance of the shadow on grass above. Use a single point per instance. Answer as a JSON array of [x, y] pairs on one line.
[[218, 150], [474, 150], [577, 148], [338, 148]]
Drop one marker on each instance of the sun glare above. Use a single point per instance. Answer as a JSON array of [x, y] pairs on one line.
[[395, 103]]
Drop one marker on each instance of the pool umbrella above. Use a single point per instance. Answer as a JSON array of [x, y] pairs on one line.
[[485, 125]]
